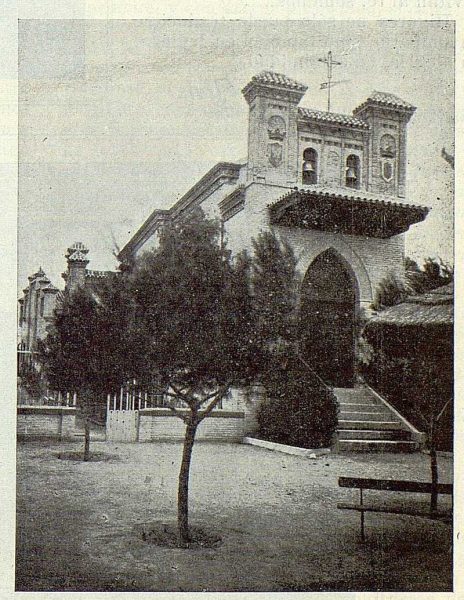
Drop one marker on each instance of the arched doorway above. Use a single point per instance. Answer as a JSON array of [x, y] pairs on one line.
[[329, 296]]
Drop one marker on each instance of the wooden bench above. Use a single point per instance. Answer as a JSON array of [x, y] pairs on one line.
[[394, 485]]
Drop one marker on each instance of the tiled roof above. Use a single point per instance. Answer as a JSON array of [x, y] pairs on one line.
[[386, 99], [432, 308], [444, 290], [340, 211], [352, 194], [329, 117], [279, 79]]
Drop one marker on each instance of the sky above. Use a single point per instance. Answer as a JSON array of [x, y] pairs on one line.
[[117, 118]]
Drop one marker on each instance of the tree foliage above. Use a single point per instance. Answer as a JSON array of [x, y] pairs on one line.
[[415, 374], [275, 284], [300, 409], [191, 303], [87, 349], [193, 308], [393, 290]]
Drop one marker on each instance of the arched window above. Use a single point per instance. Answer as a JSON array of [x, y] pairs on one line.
[[352, 178], [42, 306], [309, 166]]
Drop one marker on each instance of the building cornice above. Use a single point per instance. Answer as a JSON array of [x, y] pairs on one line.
[[223, 172]]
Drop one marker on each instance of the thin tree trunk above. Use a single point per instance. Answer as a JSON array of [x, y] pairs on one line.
[[182, 497], [433, 467], [434, 470], [86, 439]]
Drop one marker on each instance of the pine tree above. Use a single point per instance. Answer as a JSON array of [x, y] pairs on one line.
[[193, 305], [86, 350]]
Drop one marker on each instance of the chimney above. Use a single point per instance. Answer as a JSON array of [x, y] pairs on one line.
[[77, 264]]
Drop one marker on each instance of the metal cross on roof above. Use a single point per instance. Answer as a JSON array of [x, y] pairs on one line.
[[330, 62]]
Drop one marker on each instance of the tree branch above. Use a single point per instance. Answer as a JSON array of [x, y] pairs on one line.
[[219, 395], [180, 393], [442, 411]]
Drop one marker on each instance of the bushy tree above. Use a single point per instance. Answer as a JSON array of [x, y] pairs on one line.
[[87, 351], [417, 378], [433, 274], [275, 292], [300, 409], [192, 303]]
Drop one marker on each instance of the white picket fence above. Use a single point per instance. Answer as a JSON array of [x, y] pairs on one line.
[[49, 398], [134, 399]]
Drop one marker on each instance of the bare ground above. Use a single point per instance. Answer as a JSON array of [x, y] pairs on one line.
[[276, 514]]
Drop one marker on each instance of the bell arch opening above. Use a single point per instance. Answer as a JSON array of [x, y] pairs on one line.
[[328, 309]]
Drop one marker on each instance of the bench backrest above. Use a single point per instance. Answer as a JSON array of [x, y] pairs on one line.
[[394, 485]]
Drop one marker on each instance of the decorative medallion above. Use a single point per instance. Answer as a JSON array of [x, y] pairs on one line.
[[275, 154], [388, 146], [387, 170], [276, 128]]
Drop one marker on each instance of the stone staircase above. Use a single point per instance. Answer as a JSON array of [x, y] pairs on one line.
[[366, 423]]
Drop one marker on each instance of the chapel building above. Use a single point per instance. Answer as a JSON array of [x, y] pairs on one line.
[[333, 186], [40, 298]]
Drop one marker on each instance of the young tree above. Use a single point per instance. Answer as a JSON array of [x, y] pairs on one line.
[[414, 370], [192, 303], [300, 409], [432, 384], [86, 350], [275, 292]]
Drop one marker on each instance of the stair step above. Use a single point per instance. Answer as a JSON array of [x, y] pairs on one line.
[[377, 446], [366, 424], [358, 400], [351, 406], [373, 434], [378, 415]]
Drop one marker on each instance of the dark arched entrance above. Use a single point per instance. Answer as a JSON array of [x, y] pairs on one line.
[[329, 295]]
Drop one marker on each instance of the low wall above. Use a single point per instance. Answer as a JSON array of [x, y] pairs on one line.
[[158, 424], [45, 421]]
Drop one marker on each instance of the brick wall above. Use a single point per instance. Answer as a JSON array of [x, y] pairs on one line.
[[157, 424], [45, 421]]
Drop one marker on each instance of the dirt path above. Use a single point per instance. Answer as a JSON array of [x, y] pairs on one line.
[[277, 515]]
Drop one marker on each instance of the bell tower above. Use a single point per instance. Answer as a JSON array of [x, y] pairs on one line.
[[387, 117], [272, 128]]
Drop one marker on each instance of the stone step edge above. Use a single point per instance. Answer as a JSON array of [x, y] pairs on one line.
[[371, 425], [373, 404], [361, 413], [348, 421], [285, 449], [371, 430], [393, 442]]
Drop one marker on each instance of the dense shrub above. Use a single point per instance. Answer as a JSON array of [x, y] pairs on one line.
[[414, 371], [299, 409], [31, 382]]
